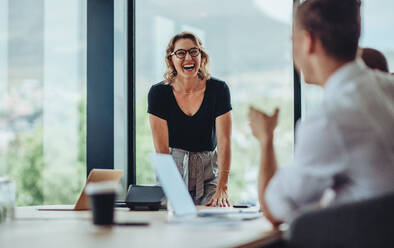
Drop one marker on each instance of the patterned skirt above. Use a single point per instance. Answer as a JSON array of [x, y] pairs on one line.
[[199, 170]]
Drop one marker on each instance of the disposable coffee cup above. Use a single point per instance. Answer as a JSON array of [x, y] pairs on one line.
[[102, 199]]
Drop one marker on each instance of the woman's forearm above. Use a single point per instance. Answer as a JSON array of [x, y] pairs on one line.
[[159, 130], [162, 149], [224, 161]]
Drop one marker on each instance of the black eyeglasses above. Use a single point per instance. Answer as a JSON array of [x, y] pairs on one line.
[[181, 53]]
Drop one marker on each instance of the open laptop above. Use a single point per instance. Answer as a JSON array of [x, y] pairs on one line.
[[95, 175], [176, 191]]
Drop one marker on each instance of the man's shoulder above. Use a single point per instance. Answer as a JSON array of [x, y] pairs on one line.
[[318, 119], [386, 80], [366, 92]]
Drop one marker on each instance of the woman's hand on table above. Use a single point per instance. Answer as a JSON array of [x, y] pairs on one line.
[[219, 199]]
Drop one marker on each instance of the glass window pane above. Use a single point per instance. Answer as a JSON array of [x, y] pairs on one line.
[[43, 98], [120, 91], [249, 43]]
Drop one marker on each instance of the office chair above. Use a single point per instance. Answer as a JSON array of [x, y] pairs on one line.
[[367, 223]]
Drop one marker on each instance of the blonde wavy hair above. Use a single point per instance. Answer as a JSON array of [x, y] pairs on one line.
[[171, 73]]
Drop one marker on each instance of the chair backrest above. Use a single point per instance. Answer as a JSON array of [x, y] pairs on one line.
[[367, 223]]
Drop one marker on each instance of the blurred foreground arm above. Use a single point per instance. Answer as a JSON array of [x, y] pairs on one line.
[[263, 127]]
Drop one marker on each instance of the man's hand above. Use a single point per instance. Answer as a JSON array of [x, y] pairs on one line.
[[262, 125], [219, 199]]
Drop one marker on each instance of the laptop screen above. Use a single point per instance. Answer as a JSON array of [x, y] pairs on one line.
[[173, 185]]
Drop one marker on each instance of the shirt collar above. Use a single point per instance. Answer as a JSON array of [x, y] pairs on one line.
[[344, 74]]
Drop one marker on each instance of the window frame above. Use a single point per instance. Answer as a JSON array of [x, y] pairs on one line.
[[100, 85]]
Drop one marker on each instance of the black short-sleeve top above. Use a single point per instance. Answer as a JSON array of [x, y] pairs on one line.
[[195, 133]]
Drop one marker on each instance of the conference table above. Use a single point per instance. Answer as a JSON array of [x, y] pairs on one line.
[[35, 228]]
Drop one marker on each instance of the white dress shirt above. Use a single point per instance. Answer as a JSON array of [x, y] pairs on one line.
[[347, 145]]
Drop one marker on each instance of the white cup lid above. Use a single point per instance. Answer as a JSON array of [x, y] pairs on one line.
[[102, 187]]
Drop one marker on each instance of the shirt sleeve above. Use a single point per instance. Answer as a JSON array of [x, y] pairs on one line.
[[223, 101], [157, 104], [318, 158]]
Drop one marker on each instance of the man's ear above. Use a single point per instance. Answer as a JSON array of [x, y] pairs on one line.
[[309, 43]]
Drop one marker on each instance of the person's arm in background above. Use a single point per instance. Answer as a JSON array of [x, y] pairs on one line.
[[223, 132], [159, 129], [319, 157], [263, 127]]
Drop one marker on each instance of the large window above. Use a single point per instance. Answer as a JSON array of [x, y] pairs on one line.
[[249, 43], [43, 98], [377, 26]]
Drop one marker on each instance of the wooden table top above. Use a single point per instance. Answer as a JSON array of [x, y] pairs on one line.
[[33, 228]]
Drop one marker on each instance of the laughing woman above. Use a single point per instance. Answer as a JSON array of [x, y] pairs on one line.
[[189, 114]]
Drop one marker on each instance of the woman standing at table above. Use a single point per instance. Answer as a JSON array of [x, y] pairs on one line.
[[189, 114]]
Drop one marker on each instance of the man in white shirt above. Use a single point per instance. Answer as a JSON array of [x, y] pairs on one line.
[[348, 144]]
